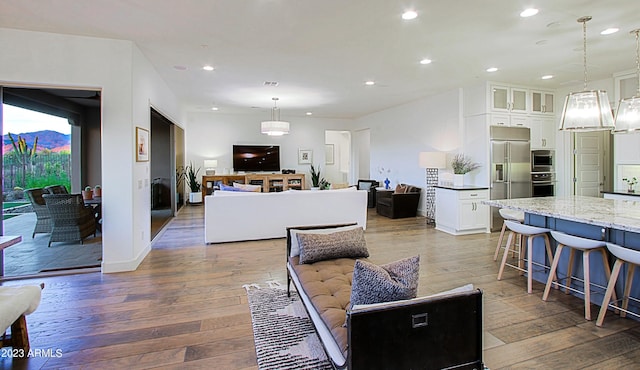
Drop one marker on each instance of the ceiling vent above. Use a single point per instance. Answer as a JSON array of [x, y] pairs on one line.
[[270, 83]]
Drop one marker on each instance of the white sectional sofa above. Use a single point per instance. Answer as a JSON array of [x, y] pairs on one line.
[[237, 216]]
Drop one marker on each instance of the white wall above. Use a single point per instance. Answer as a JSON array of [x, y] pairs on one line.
[[399, 134], [46, 59], [211, 135]]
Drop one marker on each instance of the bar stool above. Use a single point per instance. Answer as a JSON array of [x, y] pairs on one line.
[[531, 232], [587, 246], [624, 255], [511, 215]]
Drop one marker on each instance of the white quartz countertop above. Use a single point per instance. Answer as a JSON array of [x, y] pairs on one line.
[[609, 213]]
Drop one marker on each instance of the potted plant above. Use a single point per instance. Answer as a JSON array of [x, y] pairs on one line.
[[316, 181], [462, 165], [87, 193], [195, 196], [97, 191], [631, 181]]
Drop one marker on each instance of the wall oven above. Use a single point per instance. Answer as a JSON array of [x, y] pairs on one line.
[[541, 160], [542, 184]]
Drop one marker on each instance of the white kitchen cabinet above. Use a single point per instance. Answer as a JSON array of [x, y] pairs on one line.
[[460, 211], [543, 133], [542, 102], [514, 120], [510, 99]]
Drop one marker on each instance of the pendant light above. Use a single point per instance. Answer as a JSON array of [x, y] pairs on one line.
[[275, 127], [587, 110], [628, 113]]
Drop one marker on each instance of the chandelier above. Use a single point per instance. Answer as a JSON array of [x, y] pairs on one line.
[[628, 113], [275, 127], [587, 110]]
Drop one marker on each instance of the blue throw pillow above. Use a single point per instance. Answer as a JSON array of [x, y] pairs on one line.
[[229, 188]]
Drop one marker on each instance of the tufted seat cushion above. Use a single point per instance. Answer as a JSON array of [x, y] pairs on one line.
[[328, 285]]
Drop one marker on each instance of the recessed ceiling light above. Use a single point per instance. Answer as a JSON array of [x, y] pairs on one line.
[[425, 61], [409, 15], [309, 113], [370, 83], [208, 68], [214, 108], [529, 12], [492, 69], [547, 77], [609, 31]]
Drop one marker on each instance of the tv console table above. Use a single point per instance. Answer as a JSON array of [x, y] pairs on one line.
[[268, 182]]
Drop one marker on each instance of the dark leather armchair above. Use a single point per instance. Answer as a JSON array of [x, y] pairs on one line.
[[370, 186], [403, 202]]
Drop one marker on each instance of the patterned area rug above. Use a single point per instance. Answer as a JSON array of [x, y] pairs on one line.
[[283, 333]]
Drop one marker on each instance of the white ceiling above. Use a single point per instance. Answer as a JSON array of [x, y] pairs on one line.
[[322, 51]]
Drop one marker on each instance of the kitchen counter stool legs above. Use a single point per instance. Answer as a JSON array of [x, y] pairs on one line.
[[531, 232], [511, 215], [631, 257], [587, 246]]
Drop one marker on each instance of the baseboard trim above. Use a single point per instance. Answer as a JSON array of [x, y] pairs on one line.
[[123, 266]]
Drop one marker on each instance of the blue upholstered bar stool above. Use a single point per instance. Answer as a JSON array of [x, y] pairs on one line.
[[631, 257], [511, 215], [587, 246], [531, 232]]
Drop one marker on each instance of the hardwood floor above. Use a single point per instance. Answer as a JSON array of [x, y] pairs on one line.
[[185, 306]]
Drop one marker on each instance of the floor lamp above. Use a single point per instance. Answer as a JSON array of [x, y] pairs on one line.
[[432, 162]]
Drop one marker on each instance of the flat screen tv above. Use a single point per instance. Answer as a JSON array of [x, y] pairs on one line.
[[256, 158]]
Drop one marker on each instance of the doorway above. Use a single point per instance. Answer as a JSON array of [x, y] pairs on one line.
[[61, 146], [337, 163], [592, 163]]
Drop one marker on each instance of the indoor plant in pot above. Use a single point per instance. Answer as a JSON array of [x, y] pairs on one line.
[[462, 165], [87, 193], [195, 196], [317, 182]]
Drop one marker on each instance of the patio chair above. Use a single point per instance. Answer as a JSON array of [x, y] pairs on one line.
[[56, 189], [43, 221], [72, 220]]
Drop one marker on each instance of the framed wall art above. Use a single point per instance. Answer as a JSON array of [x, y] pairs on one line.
[[142, 144], [305, 156]]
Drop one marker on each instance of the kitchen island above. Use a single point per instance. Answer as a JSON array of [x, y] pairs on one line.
[[616, 221]]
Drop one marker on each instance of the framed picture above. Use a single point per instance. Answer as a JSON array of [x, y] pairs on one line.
[[328, 154], [142, 145], [305, 156]]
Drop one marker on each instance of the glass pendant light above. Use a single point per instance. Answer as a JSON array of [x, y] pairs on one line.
[[628, 113], [587, 110]]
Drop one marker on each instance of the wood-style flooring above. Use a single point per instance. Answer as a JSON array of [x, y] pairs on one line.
[[185, 307]]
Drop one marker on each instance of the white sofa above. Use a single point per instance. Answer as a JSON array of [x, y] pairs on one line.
[[236, 216]]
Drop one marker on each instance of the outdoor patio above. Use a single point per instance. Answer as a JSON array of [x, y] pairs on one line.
[[32, 256]]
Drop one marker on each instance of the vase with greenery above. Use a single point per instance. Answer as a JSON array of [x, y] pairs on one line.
[[462, 165], [191, 175], [631, 181]]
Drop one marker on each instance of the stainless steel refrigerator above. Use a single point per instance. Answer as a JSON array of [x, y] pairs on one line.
[[510, 166]]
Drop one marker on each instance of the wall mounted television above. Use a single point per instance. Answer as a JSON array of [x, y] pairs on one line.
[[256, 158]]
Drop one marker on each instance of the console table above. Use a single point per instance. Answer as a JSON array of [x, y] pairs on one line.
[[268, 182]]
